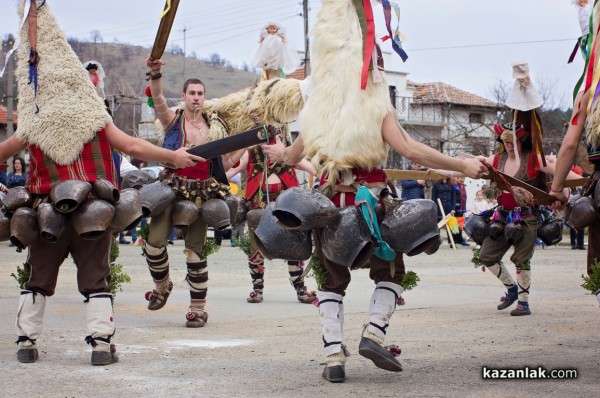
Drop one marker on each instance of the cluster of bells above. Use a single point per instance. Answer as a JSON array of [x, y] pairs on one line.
[[92, 209], [497, 223], [283, 228]]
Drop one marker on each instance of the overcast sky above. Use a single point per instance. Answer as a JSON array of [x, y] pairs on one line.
[[469, 44]]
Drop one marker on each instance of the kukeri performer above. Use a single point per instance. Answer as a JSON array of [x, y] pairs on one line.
[[585, 119], [266, 181], [68, 132], [203, 184], [347, 133], [514, 222]]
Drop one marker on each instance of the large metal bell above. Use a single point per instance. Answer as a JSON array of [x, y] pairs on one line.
[[233, 203], [477, 228], [496, 230], [550, 232], [274, 241], [105, 190], [513, 232], [253, 217], [583, 213], [67, 195], [135, 179], [304, 209], [348, 240], [155, 198], [4, 227], [24, 229], [128, 211], [215, 213], [51, 222], [15, 198], [92, 218], [184, 213], [411, 227]]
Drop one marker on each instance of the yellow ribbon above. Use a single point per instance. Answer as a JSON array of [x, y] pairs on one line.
[[167, 9]]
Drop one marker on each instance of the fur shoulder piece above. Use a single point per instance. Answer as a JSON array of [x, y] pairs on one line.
[[66, 112], [340, 123]]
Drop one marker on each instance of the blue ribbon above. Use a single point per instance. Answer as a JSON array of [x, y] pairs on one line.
[[396, 42], [367, 201], [33, 73]]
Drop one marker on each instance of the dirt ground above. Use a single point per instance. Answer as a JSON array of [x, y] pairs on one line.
[[448, 330]]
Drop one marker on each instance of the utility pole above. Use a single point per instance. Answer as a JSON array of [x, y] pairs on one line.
[[306, 40], [184, 49], [10, 77]]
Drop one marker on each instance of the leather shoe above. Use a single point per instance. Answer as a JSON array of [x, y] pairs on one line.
[[334, 374], [380, 356]]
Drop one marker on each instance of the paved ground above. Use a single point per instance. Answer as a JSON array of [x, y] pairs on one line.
[[448, 330]]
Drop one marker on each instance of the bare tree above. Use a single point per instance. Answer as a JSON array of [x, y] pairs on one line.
[[96, 36]]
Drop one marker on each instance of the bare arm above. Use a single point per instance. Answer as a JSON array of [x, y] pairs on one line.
[[144, 150], [420, 153], [11, 147], [291, 155], [232, 158], [568, 149], [238, 169], [163, 112], [305, 165]]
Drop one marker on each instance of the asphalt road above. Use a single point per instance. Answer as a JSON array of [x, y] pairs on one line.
[[448, 330]]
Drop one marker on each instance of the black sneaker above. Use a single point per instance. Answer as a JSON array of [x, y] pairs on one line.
[[380, 356], [334, 374], [27, 355]]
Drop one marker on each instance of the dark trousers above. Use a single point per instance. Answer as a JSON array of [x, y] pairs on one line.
[[577, 238]]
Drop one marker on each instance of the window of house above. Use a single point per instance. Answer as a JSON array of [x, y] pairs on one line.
[[475, 118]]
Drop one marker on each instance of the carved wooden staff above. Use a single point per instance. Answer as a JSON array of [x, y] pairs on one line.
[[164, 29]]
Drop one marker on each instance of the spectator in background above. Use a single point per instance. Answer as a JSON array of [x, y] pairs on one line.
[[577, 236], [445, 192], [413, 189], [19, 174], [481, 203], [3, 171], [461, 209]]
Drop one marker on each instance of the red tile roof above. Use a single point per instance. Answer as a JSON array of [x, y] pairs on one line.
[[3, 115], [442, 92], [297, 74]]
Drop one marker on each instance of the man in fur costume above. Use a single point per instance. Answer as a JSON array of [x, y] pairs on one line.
[[187, 126], [586, 117], [69, 135], [347, 126]]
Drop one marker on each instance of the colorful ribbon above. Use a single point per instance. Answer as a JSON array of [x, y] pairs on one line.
[[396, 35], [167, 9]]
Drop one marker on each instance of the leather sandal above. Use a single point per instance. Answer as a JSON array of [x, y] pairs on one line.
[[158, 299], [255, 297], [196, 319], [306, 297]]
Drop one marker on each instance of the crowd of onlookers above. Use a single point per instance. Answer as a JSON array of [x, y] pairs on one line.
[[452, 194]]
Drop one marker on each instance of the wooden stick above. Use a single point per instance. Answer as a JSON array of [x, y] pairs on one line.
[[446, 223], [164, 29], [394, 174]]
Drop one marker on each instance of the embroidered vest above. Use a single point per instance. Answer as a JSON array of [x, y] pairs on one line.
[[95, 161]]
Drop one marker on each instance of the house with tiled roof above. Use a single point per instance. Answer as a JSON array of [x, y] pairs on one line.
[[451, 119], [3, 121]]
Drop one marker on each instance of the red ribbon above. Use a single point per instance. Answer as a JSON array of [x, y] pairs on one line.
[[369, 43]]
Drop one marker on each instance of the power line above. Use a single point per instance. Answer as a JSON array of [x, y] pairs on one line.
[[489, 45]]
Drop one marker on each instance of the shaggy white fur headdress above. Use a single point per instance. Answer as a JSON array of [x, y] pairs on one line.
[[340, 123], [66, 113]]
